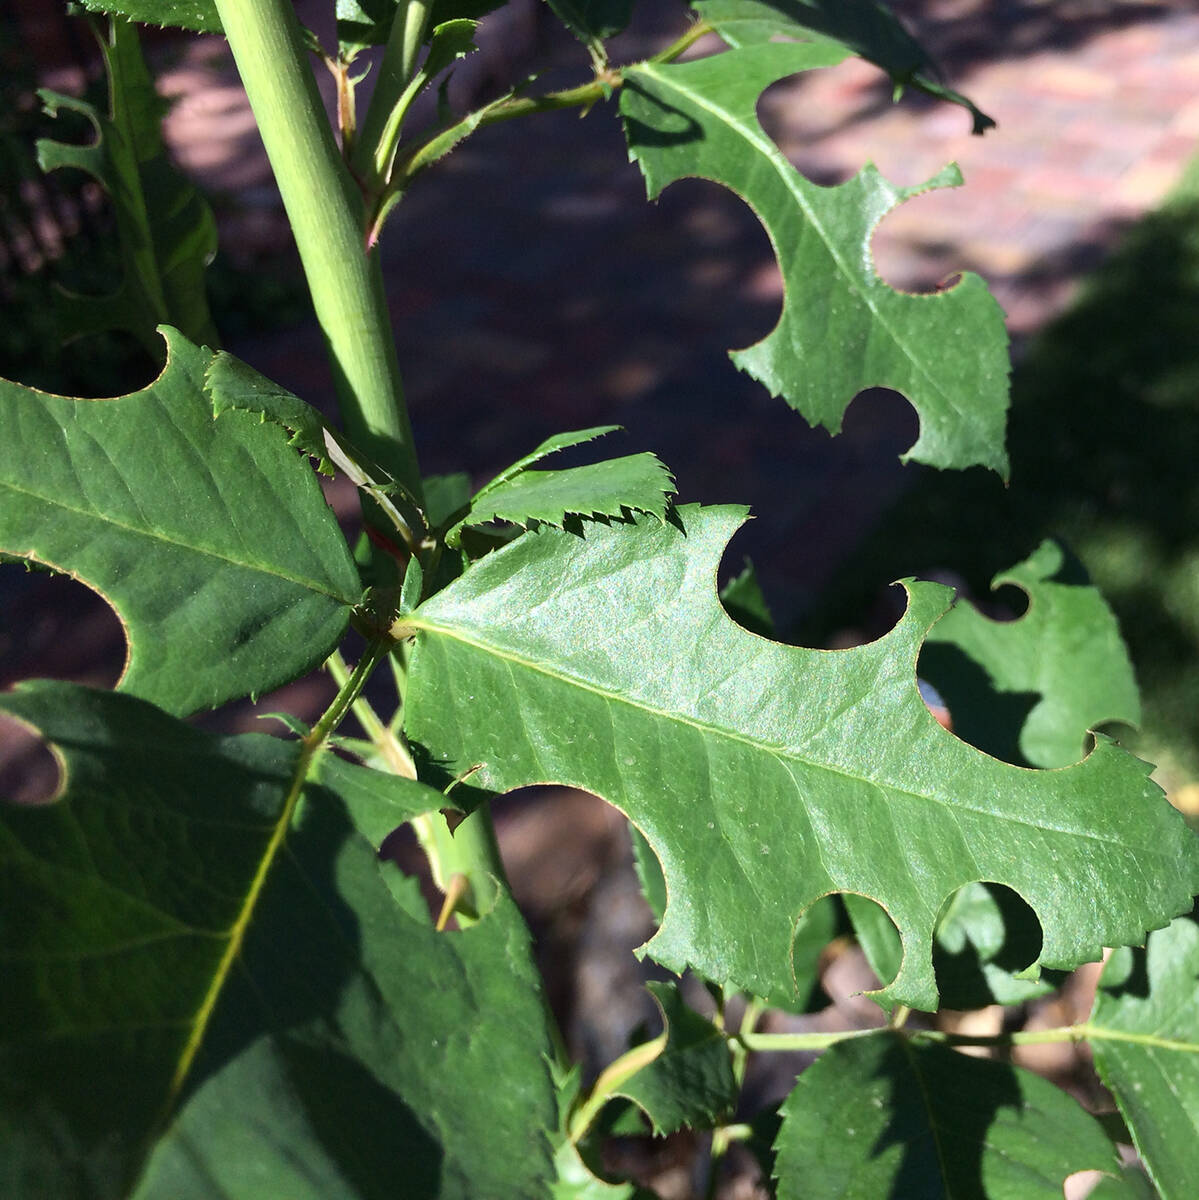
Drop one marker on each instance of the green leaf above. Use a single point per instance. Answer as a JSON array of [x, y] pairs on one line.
[[1026, 691], [551, 445], [636, 483], [200, 16], [649, 873], [445, 495], [986, 938], [766, 776], [883, 1116], [842, 329], [1132, 1184], [210, 539], [1062, 666], [234, 385], [213, 986], [1144, 1031], [593, 20], [576, 1178], [813, 931], [868, 29], [165, 228], [690, 1083], [362, 23]]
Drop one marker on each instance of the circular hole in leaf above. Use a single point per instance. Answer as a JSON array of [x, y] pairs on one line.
[[987, 934], [876, 935]]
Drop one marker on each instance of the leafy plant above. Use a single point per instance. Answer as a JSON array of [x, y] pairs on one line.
[[214, 984]]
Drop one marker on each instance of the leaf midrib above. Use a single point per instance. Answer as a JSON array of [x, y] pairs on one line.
[[704, 727], [237, 931], [155, 536]]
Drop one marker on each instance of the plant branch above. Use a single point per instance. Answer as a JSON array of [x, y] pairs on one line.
[[439, 142], [1028, 1037], [327, 217], [376, 140], [387, 741], [585, 95], [347, 693], [684, 43], [611, 1079]]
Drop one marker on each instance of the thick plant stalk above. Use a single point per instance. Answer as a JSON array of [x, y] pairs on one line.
[[325, 209], [326, 212]]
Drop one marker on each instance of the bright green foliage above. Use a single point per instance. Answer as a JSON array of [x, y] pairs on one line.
[[197, 15], [1026, 691], [1144, 1031], [233, 384], [867, 29], [209, 538], [690, 1083], [636, 482], [211, 966], [945, 352], [813, 931], [165, 227], [765, 775], [882, 1116], [1029, 690], [214, 985]]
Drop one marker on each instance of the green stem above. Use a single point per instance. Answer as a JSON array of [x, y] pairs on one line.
[[611, 1079], [681, 45], [803, 1041], [1024, 1037], [327, 217], [1028, 1037], [440, 141], [347, 693], [388, 742], [376, 138]]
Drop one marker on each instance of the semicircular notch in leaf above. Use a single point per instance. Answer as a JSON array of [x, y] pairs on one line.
[[211, 981], [842, 329], [1025, 691], [210, 539], [1144, 1032], [884, 1116], [1062, 663], [765, 776]]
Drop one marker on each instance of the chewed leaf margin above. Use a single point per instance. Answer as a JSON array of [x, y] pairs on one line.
[[842, 328], [797, 774]]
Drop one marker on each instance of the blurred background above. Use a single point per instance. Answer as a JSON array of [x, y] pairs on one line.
[[534, 290]]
